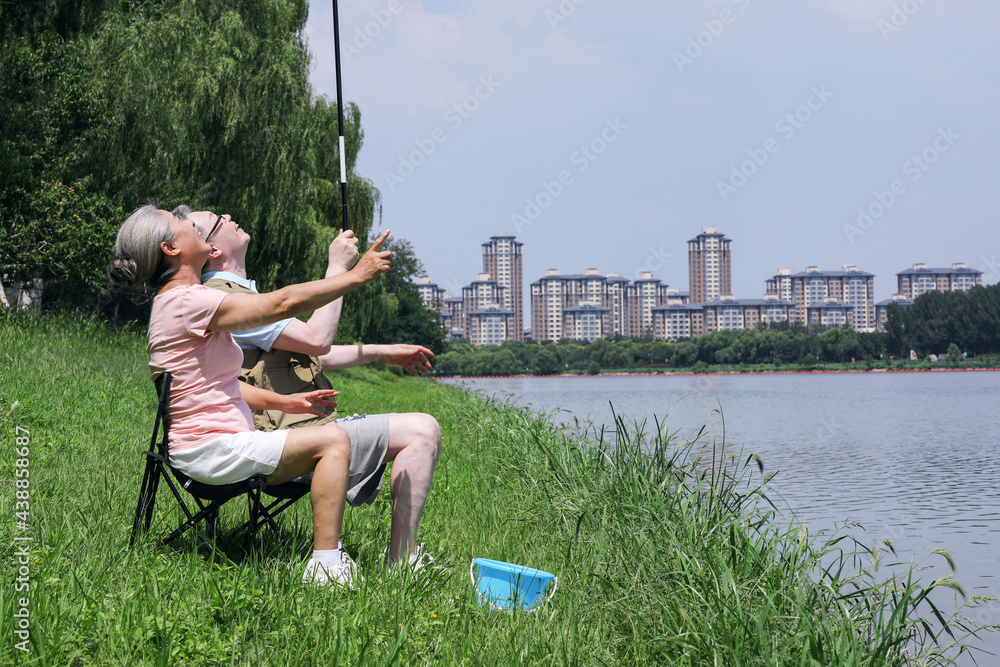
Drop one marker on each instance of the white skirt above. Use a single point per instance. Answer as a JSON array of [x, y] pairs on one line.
[[231, 457]]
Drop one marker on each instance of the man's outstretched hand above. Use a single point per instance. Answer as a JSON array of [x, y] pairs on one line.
[[414, 358], [308, 403]]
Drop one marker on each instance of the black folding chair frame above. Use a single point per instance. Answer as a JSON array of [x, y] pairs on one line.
[[208, 498]]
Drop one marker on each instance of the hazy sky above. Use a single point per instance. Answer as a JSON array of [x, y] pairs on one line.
[[607, 134]]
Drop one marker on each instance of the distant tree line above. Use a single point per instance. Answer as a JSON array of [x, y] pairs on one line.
[[953, 323], [109, 104], [744, 347], [969, 320]]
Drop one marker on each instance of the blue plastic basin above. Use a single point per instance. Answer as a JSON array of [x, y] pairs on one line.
[[510, 586]]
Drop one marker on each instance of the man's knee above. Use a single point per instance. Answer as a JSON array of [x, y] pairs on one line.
[[429, 433], [338, 444], [416, 430]]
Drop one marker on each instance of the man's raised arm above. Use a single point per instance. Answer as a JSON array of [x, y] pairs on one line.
[[315, 336]]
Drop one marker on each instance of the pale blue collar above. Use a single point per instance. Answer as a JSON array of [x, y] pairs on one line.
[[232, 277]]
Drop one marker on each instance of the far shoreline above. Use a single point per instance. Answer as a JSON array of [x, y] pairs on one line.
[[771, 372]]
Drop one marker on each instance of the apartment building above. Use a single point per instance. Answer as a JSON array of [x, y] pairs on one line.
[[679, 320], [629, 305], [617, 288], [710, 273], [814, 287], [586, 321], [676, 297], [482, 292], [780, 285], [676, 321], [731, 314], [548, 299], [829, 312], [553, 293], [432, 295], [490, 325], [453, 318], [502, 261], [882, 309], [921, 279], [648, 293]]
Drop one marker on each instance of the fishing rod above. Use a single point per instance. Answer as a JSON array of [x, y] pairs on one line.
[[340, 119]]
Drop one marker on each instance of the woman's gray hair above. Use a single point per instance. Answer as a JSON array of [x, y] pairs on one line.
[[138, 258], [182, 212]]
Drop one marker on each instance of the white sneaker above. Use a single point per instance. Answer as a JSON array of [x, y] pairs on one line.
[[346, 573], [417, 562]]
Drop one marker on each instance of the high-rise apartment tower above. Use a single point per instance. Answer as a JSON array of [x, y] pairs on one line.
[[710, 272], [502, 261]]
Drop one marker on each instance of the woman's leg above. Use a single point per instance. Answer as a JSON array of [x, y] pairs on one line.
[[326, 452]]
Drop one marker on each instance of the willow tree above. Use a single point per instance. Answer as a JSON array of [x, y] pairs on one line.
[[199, 101]]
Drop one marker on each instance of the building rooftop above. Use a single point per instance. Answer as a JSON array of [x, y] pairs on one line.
[[830, 304], [709, 231], [679, 306], [813, 272], [749, 302], [957, 267], [574, 276], [895, 298]]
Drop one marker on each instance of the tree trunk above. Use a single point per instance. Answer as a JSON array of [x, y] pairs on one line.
[[27, 294], [3, 297]]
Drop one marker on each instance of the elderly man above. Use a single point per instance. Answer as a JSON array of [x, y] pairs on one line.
[[289, 356]]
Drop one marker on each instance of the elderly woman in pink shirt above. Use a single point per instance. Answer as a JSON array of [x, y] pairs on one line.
[[212, 437]]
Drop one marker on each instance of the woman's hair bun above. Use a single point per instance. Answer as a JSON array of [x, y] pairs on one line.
[[124, 271]]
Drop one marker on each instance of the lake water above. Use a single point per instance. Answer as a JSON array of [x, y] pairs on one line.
[[913, 457]]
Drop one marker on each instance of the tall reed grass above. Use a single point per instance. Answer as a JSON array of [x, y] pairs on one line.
[[667, 552]]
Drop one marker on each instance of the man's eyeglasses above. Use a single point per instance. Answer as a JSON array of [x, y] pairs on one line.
[[215, 228]]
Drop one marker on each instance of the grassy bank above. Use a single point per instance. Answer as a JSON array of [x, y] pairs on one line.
[[661, 555]]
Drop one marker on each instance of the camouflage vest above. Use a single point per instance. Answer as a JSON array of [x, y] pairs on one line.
[[282, 372]]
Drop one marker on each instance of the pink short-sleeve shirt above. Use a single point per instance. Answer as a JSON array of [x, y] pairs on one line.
[[205, 399]]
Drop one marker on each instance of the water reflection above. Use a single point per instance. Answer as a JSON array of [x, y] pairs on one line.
[[913, 458]]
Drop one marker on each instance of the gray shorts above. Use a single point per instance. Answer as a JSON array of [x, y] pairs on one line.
[[369, 444]]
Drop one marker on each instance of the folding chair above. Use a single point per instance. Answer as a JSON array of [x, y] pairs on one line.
[[208, 498]]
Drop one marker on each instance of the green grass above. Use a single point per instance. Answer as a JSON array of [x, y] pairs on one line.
[[665, 551]]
